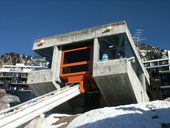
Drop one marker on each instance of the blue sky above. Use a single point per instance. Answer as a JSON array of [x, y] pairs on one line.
[[23, 21]]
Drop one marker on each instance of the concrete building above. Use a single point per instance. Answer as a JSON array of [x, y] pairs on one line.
[[159, 69], [103, 60], [14, 77]]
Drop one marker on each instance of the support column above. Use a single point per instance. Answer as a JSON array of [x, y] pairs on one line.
[[54, 67], [95, 54], [169, 60], [58, 65], [143, 82]]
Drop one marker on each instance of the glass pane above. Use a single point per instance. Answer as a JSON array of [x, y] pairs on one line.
[[74, 69], [147, 64], [77, 56], [118, 47]]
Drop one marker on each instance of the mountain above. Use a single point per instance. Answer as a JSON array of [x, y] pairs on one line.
[[12, 58]]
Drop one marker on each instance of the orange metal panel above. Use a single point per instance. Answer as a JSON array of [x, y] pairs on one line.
[[77, 49], [76, 73], [77, 77], [75, 64]]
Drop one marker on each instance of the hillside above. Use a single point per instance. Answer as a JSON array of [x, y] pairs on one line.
[[148, 52], [12, 58]]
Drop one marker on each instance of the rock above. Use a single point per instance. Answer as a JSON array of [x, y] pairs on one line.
[[11, 98], [2, 93], [4, 104], [167, 99]]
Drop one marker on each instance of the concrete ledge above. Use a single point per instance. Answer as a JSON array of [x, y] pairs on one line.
[[39, 76], [77, 36], [41, 82]]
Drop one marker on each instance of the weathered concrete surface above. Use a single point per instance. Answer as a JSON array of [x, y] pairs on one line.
[[42, 88], [118, 82], [132, 44], [87, 34], [121, 72], [41, 82]]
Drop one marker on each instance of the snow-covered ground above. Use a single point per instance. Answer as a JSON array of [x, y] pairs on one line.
[[57, 121], [50, 121], [145, 115]]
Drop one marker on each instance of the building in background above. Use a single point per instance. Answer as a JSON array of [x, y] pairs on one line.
[[159, 69], [14, 77]]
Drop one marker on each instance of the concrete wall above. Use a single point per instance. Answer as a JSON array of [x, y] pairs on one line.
[[137, 55], [138, 88], [41, 82], [40, 76], [118, 82], [44, 81]]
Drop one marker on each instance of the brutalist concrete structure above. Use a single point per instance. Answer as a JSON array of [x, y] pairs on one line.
[[103, 58]]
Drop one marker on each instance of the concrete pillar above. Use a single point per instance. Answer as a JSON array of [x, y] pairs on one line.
[[95, 53], [168, 54], [143, 82], [58, 65], [54, 67], [169, 60]]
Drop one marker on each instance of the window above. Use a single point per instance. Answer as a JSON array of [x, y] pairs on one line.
[[118, 47]]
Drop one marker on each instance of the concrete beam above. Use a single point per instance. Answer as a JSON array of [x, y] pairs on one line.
[[56, 60], [169, 60], [81, 35], [137, 55]]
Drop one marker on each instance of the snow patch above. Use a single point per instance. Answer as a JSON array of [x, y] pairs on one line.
[[144, 115]]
